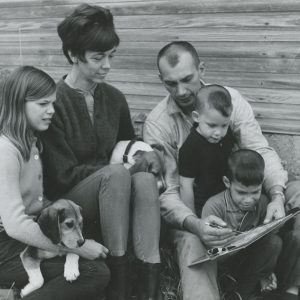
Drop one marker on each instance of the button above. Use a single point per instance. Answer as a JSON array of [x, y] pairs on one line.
[[40, 198], [36, 157]]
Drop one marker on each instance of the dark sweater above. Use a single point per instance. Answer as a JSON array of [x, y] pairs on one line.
[[74, 148]]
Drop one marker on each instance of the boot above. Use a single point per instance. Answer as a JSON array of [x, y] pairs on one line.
[[149, 288], [118, 266]]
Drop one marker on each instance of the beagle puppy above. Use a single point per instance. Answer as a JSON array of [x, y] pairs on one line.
[[62, 223], [138, 156]]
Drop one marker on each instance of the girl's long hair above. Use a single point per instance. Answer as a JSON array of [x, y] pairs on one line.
[[26, 83]]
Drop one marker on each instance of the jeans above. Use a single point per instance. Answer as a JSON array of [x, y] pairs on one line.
[[91, 283], [250, 265], [200, 281], [288, 269], [108, 198]]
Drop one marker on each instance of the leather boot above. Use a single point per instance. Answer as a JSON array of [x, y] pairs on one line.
[[148, 277], [118, 266]]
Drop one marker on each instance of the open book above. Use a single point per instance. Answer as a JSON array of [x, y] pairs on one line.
[[245, 239]]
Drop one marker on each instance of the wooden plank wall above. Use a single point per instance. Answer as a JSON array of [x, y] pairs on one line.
[[252, 45]]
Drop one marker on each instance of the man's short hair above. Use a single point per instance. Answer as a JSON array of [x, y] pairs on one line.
[[215, 96], [246, 166], [172, 50]]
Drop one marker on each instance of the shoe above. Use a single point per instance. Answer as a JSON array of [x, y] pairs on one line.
[[288, 296], [118, 266], [233, 296], [227, 284], [149, 283]]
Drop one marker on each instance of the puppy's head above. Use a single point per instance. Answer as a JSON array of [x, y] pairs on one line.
[[152, 162], [62, 223]]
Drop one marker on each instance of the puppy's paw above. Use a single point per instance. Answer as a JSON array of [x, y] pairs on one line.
[[71, 272], [29, 288]]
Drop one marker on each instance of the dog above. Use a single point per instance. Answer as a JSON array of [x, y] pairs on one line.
[[62, 223], [138, 156]]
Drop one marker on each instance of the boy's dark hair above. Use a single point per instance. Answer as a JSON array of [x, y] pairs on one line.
[[88, 28], [172, 50], [246, 166], [215, 96]]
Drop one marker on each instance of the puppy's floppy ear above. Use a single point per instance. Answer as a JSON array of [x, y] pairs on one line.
[[158, 147], [49, 222]]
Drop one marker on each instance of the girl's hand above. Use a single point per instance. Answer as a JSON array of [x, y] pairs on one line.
[[91, 250]]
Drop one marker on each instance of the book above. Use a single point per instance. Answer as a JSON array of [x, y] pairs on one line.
[[245, 239]]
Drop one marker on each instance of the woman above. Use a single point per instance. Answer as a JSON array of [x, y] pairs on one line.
[[26, 108], [91, 117]]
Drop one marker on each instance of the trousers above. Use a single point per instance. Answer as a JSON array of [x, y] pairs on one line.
[[109, 198], [200, 282], [91, 283]]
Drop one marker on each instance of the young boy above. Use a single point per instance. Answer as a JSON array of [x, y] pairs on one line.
[[243, 207], [203, 156]]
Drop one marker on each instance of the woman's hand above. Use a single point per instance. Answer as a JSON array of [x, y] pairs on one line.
[[91, 250]]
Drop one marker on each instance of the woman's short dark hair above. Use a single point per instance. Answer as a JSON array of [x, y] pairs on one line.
[[88, 28], [246, 166]]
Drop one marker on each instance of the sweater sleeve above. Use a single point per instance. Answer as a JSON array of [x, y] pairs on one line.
[[62, 171], [16, 222], [248, 134]]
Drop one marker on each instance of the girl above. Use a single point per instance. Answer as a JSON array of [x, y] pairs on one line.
[[26, 108], [91, 117]]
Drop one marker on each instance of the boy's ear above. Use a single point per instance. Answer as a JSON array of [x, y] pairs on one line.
[[226, 182], [195, 116]]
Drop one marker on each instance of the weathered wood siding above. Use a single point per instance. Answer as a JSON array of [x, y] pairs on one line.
[[252, 45]]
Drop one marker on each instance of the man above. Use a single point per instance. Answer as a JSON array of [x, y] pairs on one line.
[[169, 123]]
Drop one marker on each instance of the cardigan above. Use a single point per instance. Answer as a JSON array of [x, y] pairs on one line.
[[21, 195], [74, 146]]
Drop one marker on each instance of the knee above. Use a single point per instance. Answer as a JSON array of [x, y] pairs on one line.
[[99, 276], [292, 194], [188, 241], [143, 179], [294, 238], [273, 244], [117, 172]]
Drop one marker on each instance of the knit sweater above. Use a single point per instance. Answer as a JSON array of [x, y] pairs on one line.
[[74, 147], [21, 195]]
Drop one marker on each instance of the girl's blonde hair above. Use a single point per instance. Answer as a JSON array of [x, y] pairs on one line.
[[26, 83]]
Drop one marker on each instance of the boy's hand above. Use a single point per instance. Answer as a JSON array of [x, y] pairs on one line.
[[212, 236], [275, 210]]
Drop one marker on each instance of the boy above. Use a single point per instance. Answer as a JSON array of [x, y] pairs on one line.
[[203, 156], [243, 207]]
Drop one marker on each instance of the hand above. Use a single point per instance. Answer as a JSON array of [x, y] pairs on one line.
[[275, 209], [91, 250], [213, 237]]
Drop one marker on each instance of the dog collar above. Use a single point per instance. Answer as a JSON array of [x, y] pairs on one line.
[[125, 155]]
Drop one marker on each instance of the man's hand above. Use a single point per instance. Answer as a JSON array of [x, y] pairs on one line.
[[91, 250], [210, 236], [275, 209]]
